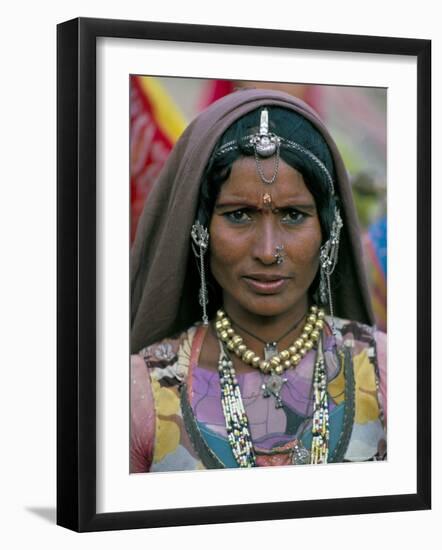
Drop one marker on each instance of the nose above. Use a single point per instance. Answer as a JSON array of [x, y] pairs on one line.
[[267, 238]]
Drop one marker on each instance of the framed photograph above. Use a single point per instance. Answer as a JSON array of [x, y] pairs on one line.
[[229, 337]]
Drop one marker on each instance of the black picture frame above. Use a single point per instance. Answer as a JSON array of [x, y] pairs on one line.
[[76, 273]]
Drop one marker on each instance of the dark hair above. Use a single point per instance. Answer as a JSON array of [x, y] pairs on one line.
[[292, 127]]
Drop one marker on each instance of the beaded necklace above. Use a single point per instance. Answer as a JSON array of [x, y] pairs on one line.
[[281, 360], [236, 420], [274, 363]]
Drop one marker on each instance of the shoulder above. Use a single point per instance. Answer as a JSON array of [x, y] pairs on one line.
[[357, 329], [369, 351], [358, 334], [165, 351], [160, 364], [362, 339], [167, 359]]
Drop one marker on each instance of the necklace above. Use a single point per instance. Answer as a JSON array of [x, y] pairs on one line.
[[279, 361], [270, 348], [237, 423], [282, 360]]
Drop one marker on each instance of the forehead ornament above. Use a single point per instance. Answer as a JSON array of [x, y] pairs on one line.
[[265, 145]]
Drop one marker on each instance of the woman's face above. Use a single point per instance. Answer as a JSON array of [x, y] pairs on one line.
[[250, 220]]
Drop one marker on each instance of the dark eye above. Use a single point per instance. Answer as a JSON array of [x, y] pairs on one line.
[[238, 216], [293, 216]]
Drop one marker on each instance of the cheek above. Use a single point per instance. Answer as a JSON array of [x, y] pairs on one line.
[[310, 254], [305, 251], [222, 254]]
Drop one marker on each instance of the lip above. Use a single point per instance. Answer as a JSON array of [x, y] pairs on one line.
[[265, 283]]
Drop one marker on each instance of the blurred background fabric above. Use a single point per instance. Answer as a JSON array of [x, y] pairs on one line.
[[161, 108], [156, 122]]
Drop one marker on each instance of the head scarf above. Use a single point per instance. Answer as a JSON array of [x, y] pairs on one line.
[[164, 291]]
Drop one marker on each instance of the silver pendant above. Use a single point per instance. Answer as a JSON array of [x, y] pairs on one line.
[[300, 455], [265, 142], [273, 387], [270, 350]]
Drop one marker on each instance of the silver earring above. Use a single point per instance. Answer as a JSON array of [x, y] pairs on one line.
[[200, 245], [279, 254], [265, 145], [328, 258]]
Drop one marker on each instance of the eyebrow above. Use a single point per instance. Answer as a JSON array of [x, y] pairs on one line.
[[244, 204], [237, 204]]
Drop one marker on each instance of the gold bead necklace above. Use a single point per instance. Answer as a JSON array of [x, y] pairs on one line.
[[281, 361], [236, 420]]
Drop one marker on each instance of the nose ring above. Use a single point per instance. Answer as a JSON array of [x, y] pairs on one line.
[[279, 254]]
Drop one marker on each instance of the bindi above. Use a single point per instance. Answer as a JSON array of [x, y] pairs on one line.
[[267, 200]]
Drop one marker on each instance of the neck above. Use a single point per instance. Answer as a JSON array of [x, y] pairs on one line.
[[267, 328]]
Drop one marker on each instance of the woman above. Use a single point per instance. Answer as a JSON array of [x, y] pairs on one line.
[[252, 227]]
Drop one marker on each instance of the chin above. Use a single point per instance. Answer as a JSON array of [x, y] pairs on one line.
[[269, 306]]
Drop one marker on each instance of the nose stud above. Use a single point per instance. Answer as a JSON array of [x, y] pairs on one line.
[[279, 254]]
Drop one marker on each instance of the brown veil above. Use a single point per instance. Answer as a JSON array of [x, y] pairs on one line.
[[164, 288]]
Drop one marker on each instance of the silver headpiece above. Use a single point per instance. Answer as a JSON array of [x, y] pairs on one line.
[[265, 144]]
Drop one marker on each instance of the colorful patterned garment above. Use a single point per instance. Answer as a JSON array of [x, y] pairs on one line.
[[178, 424]]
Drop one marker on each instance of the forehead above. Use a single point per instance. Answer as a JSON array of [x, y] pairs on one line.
[[245, 182]]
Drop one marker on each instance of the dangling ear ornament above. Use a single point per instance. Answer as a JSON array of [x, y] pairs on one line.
[[328, 258], [200, 245], [265, 145]]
